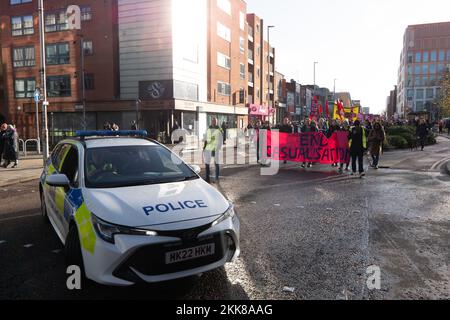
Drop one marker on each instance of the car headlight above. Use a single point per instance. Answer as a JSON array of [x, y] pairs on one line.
[[230, 213], [107, 231]]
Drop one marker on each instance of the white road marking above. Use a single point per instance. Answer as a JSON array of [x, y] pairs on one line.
[[28, 245], [2, 241], [20, 217], [56, 251]]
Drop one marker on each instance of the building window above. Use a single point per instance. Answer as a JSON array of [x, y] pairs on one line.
[[432, 68], [448, 55], [22, 25], [441, 68], [417, 81], [86, 13], [425, 81], [24, 88], [59, 86], [419, 94], [432, 80], [409, 69], [57, 53], [223, 61], [258, 72], [430, 93], [258, 51], [257, 27], [417, 69], [14, 2], [23, 57], [56, 21], [425, 69], [225, 6], [223, 32], [242, 21], [410, 94], [242, 45], [442, 55], [410, 57], [242, 71], [89, 81], [426, 56], [418, 57], [223, 88], [433, 56], [88, 47]]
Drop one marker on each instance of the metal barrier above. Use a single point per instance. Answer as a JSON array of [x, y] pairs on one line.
[[23, 147], [38, 148]]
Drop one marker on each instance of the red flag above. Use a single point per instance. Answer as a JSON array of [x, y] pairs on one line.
[[327, 109], [320, 109]]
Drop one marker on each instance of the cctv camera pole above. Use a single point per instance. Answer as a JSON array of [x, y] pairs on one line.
[[43, 80]]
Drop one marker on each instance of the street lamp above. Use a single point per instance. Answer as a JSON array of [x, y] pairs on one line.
[[43, 79], [315, 63], [268, 63]]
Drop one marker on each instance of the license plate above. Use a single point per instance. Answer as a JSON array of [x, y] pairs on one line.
[[190, 253]]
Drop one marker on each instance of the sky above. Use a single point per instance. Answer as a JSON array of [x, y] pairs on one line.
[[357, 42]]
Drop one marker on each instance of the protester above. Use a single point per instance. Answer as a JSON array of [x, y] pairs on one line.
[[448, 126], [286, 127], [224, 132], [345, 127], [441, 126], [212, 147], [358, 144], [10, 147], [422, 133], [309, 126], [107, 126], [376, 139], [334, 127], [134, 125]]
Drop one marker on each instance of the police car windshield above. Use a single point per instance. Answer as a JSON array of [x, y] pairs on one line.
[[116, 167]]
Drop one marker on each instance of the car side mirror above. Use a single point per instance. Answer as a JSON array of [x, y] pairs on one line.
[[196, 169], [58, 180]]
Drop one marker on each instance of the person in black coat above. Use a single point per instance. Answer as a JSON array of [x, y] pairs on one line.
[[2, 144], [358, 144], [422, 133], [10, 147]]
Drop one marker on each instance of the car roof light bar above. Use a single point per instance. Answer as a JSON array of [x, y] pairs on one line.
[[107, 133]]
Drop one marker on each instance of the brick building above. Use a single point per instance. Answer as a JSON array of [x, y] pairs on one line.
[[423, 61], [20, 51]]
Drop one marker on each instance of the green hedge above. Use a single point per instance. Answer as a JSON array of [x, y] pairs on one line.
[[397, 142], [404, 137]]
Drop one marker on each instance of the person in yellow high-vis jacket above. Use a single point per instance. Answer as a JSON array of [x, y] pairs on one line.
[[358, 144], [211, 149]]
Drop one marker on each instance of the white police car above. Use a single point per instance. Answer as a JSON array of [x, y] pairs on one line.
[[127, 213]]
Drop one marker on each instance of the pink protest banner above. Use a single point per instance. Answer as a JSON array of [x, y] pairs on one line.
[[308, 147]]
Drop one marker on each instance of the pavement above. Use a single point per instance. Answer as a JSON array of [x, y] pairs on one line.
[[29, 169]]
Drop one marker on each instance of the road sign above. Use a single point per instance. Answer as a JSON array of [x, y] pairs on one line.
[[37, 96]]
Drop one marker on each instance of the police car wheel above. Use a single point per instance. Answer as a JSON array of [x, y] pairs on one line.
[[44, 208], [72, 249]]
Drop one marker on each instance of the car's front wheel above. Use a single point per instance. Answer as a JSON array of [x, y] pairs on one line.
[[72, 249], [44, 213]]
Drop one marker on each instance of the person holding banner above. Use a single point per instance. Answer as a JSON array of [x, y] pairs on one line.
[[309, 126], [286, 127], [344, 128], [358, 144]]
